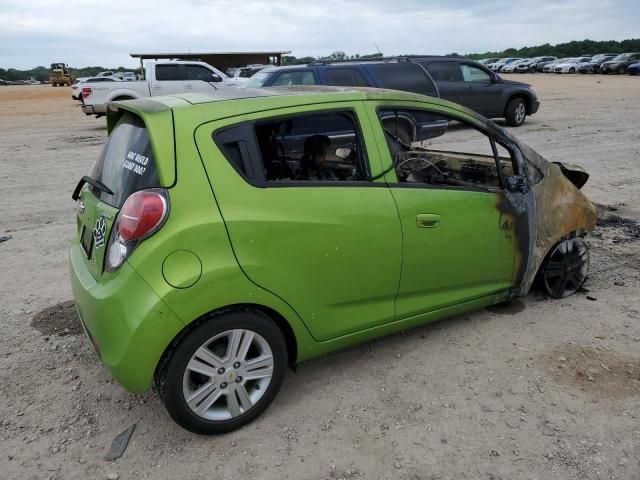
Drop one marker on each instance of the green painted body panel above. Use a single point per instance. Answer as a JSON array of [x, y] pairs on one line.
[[457, 245], [332, 252], [129, 325], [87, 219], [339, 264]]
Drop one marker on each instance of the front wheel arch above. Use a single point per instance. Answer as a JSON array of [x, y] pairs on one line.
[[576, 236]]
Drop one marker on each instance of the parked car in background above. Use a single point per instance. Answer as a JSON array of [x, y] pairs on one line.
[[3, 82], [593, 66], [497, 67], [634, 69], [571, 65], [487, 61], [129, 76], [161, 78], [549, 67], [106, 73], [243, 74], [511, 67], [474, 86], [543, 63], [534, 64], [76, 88], [396, 73], [620, 63], [206, 222]]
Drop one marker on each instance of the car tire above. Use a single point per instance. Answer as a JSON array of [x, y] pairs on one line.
[[210, 387], [565, 268], [572, 70], [516, 112]]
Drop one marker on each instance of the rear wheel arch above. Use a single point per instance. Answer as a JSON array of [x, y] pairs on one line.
[[120, 98], [269, 314]]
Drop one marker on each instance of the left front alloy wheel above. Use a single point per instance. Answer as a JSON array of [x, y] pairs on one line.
[[566, 267]]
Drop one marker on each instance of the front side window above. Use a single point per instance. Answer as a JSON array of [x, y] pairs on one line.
[[474, 74], [198, 72], [295, 78], [433, 149], [317, 147]]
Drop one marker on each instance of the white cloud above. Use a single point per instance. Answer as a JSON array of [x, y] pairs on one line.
[[83, 32]]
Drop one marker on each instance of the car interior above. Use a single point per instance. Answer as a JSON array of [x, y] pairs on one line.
[[433, 149]]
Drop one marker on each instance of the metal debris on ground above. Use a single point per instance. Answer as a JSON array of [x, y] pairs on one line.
[[119, 444]]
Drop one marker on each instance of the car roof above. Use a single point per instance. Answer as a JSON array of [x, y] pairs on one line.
[[244, 99]]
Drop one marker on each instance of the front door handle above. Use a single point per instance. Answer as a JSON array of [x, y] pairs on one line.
[[427, 220]]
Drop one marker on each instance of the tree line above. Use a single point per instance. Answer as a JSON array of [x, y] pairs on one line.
[[569, 49]]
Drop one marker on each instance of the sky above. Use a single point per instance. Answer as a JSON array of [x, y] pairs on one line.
[[85, 33]]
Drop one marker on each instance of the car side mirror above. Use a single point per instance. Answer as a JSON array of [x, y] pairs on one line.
[[517, 183], [216, 78]]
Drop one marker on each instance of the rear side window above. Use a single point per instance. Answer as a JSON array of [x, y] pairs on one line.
[[444, 71], [406, 76], [345, 77], [126, 164], [168, 73], [295, 78], [318, 147]]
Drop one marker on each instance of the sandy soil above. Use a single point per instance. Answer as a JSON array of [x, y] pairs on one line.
[[537, 389]]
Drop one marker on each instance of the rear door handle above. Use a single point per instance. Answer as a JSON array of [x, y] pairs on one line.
[[427, 220]]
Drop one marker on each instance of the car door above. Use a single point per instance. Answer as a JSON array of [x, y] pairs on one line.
[[201, 80], [481, 92], [169, 79], [448, 79], [328, 245], [463, 236]]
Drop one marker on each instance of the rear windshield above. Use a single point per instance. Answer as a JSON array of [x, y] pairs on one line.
[[126, 164], [406, 76]]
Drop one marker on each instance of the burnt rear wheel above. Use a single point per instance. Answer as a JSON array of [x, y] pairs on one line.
[[565, 268]]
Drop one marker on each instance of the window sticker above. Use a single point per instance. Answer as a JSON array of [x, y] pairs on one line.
[[136, 162]]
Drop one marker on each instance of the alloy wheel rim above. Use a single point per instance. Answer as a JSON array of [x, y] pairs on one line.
[[520, 112], [567, 267], [227, 375]]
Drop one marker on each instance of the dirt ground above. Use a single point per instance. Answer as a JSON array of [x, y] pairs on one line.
[[537, 389]]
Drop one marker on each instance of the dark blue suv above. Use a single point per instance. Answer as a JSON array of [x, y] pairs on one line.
[[391, 74]]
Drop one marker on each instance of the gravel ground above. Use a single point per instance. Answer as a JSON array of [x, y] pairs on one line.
[[537, 389]]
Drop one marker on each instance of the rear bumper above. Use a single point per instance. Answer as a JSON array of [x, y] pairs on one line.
[[93, 109], [128, 324]]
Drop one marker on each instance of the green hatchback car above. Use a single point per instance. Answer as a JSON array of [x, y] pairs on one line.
[[223, 239]]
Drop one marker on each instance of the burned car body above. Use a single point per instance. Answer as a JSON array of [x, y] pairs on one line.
[[223, 238]]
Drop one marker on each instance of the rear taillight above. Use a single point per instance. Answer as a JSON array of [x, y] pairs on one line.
[[86, 91], [142, 214]]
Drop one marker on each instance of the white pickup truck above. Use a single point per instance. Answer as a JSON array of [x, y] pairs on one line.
[[161, 78]]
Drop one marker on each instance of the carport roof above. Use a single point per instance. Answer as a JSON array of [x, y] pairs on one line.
[[204, 54]]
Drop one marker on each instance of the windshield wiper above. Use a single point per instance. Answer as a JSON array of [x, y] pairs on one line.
[[94, 183]]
